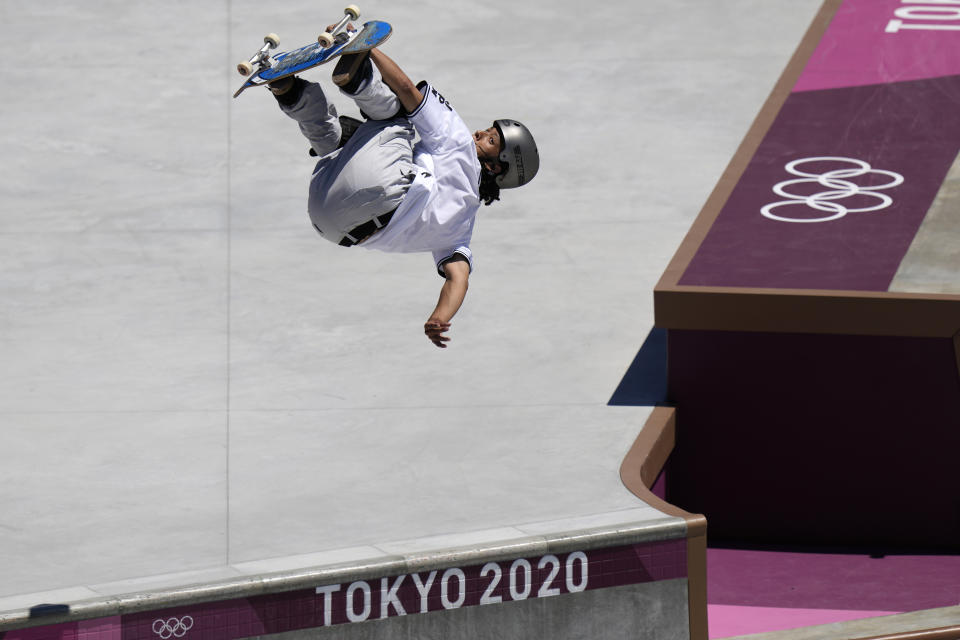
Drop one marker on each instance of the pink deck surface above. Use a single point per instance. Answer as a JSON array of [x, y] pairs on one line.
[[732, 620], [882, 41], [754, 591]]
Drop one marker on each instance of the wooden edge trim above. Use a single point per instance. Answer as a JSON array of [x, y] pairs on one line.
[[841, 294], [638, 472], [807, 311], [940, 633], [748, 147]]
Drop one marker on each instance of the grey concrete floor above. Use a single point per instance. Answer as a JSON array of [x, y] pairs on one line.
[[195, 385]]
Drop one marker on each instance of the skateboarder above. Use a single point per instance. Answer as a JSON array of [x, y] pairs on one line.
[[380, 190]]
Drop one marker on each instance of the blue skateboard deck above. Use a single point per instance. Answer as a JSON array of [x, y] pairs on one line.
[[289, 63]]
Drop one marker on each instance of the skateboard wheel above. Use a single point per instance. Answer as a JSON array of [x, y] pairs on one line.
[[271, 39], [245, 68], [325, 39], [352, 10]]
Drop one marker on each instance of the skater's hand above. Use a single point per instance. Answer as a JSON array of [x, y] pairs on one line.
[[435, 330]]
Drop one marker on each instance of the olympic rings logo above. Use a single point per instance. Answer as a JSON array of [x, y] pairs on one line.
[[172, 628], [838, 187]]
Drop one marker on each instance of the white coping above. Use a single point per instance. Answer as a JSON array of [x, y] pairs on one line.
[[196, 388]]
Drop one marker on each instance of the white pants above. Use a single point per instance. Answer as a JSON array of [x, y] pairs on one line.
[[370, 175]]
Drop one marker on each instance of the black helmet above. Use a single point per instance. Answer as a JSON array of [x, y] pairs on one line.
[[519, 153]]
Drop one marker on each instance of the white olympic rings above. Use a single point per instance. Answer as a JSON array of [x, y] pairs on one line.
[[173, 627], [839, 188]]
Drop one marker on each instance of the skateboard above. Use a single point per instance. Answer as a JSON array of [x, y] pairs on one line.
[[341, 39]]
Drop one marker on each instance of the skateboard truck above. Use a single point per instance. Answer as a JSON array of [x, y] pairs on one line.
[[262, 57], [350, 12]]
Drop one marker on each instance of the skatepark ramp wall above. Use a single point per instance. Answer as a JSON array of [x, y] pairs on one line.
[[641, 573]]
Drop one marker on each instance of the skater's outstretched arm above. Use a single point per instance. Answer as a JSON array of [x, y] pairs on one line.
[[451, 297], [410, 97]]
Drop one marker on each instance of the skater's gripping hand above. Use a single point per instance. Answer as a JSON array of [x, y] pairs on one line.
[[435, 330]]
